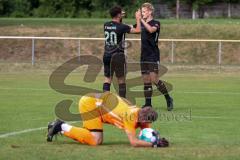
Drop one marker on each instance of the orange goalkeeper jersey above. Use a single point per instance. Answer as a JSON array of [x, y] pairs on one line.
[[98, 108]]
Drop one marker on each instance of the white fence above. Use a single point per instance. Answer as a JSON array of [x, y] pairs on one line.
[[172, 41]]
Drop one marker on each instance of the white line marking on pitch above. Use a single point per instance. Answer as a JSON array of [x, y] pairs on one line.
[[21, 132], [183, 92], [199, 92], [208, 92], [25, 131], [31, 89]]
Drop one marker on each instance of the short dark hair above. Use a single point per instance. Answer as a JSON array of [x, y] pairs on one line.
[[115, 11], [147, 114]]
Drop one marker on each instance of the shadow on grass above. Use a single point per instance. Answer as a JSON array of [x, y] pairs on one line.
[[60, 142]]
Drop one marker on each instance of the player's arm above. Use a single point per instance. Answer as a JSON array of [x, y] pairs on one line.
[[138, 23], [150, 28], [136, 142]]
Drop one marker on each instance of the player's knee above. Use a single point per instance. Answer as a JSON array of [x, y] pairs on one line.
[[121, 80], [96, 142], [100, 141], [146, 79], [154, 80], [108, 80], [97, 138]]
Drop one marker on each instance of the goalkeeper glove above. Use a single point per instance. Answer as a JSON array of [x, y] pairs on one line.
[[160, 142]]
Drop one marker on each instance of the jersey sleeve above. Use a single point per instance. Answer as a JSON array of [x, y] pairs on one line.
[[129, 122], [126, 28], [156, 24], [129, 127]]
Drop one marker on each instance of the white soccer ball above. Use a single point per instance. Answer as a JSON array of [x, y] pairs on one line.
[[146, 134]]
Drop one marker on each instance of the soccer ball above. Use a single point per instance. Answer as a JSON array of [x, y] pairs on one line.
[[147, 135]]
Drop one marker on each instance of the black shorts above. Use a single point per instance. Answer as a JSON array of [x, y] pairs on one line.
[[147, 67], [114, 63]]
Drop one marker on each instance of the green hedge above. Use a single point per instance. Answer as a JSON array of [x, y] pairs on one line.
[[81, 8]]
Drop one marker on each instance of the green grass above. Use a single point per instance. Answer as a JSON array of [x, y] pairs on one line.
[[205, 121], [211, 100], [78, 27]]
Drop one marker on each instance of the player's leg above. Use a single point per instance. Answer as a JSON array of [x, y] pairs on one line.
[[92, 131], [122, 87], [160, 85], [107, 84], [119, 66], [91, 117], [147, 84], [107, 73], [81, 135]]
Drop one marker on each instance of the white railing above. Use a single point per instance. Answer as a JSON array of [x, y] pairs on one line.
[[219, 41]]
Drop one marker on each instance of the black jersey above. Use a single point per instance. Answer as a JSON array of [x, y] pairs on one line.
[[149, 43], [115, 37]]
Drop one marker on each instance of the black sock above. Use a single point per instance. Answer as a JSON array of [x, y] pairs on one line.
[[162, 88], [106, 87], [148, 94], [122, 90]]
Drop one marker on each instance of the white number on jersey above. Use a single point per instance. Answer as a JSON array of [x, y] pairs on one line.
[[110, 38]]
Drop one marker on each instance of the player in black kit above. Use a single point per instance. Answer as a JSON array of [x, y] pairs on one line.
[[150, 56], [114, 57]]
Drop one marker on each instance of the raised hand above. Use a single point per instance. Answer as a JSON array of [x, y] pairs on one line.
[[138, 14]]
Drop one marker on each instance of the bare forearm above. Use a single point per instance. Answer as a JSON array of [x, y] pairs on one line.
[[139, 143], [138, 28], [138, 23]]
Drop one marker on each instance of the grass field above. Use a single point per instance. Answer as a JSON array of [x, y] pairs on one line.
[[204, 124], [170, 28]]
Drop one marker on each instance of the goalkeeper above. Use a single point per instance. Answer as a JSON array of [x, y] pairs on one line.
[[99, 108]]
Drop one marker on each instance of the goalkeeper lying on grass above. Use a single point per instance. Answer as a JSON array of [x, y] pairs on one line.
[[96, 109]]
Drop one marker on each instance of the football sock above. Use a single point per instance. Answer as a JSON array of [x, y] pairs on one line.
[[162, 88], [148, 94], [66, 127], [81, 135], [122, 90], [106, 87]]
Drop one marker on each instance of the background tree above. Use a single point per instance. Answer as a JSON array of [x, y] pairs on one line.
[[92, 8]]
